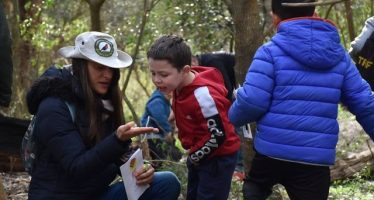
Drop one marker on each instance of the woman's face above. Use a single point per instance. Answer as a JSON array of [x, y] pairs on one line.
[[100, 77]]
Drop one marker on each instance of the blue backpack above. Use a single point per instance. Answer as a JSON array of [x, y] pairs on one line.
[[29, 147]]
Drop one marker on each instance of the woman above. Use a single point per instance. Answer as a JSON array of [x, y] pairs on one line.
[[78, 159]]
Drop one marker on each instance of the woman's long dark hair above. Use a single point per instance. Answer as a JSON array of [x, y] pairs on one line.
[[93, 104]]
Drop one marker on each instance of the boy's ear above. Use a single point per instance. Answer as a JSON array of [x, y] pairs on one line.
[[186, 69], [276, 19]]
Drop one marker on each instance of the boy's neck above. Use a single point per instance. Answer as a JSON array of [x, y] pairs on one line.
[[189, 77]]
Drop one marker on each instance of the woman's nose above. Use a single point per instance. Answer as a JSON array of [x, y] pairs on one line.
[[108, 73]]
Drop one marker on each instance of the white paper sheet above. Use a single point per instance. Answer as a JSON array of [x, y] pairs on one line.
[[134, 163]]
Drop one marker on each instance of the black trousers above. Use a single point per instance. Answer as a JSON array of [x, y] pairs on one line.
[[301, 181]]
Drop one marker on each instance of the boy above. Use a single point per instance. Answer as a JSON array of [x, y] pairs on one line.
[[200, 107], [292, 90]]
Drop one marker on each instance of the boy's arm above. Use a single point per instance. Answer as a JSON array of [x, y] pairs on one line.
[[211, 112], [358, 97], [254, 97]]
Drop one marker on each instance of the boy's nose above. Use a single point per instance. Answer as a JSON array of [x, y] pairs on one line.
[[157, 80]]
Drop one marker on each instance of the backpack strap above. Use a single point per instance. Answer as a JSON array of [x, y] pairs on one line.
[[71, 108]]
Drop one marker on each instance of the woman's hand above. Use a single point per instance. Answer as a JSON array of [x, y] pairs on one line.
[[145, 175], [129, 130]]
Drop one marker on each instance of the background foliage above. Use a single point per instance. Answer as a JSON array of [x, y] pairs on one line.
[[40, 27]]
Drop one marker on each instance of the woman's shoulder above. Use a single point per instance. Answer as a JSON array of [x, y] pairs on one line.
[[51, 104]]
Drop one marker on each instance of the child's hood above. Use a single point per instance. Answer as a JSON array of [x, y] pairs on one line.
[[205, 76], [312, 41]]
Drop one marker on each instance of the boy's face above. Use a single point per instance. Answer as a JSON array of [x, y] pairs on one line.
[[166, 77]]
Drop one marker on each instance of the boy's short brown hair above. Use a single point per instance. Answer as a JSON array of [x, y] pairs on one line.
[[171, 48], [286, 12]]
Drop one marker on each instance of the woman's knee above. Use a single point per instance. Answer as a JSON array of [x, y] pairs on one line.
[[169, 182]]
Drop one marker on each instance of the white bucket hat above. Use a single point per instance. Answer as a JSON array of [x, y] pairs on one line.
[[97, 47]]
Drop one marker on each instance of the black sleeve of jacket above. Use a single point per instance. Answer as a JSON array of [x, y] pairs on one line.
[[6, 65], [217, 137]]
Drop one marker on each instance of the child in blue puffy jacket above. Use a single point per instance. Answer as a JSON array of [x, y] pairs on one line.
[[292, 90]]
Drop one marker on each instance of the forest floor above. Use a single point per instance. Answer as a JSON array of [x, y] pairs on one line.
[[16, 184], [351, 140]]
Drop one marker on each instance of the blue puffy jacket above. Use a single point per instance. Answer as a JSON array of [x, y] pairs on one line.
[[157, 107], [293, 88]]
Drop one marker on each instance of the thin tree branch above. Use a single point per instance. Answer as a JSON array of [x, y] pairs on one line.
[[318, 3]]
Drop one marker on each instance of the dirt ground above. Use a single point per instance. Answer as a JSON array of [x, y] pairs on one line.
[[16, 185]]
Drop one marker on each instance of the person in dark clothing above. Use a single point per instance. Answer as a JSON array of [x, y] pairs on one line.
[[362, 51], [225, 62], [6, 65], [79, 160], [6, 70]]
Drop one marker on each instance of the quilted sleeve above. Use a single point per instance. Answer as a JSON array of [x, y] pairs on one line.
[[358, 97], [254, 97]]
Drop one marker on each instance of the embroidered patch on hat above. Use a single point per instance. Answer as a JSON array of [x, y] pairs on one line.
[[104, 48]]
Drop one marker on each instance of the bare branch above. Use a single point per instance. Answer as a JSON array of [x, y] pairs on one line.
[[318, 3]]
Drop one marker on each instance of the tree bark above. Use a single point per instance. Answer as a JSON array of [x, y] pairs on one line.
[[349, 15], [248, 37], [248, 34], [23, 71], [347, 167], [95, 6]]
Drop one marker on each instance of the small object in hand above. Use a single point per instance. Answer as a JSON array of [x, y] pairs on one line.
[[146, 166]]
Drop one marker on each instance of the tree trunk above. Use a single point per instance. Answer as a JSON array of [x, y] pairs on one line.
[[351, 28], [95, 6], [347, 167], [23, 71], [248, 37], [11, 133]]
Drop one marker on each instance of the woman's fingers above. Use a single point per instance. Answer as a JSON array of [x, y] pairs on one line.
[[129, 130], [144, 175], [141, 130]]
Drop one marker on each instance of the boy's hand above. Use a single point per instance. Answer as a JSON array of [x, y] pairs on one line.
[[235, 92], [145, 175], [191, 161], [129, 130]]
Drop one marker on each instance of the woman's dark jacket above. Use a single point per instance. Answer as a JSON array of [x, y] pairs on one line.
[[67, 167]]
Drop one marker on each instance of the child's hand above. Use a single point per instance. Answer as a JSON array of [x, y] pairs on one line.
[[191, 161], [145, 175], [235, 92], [129, 130]]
